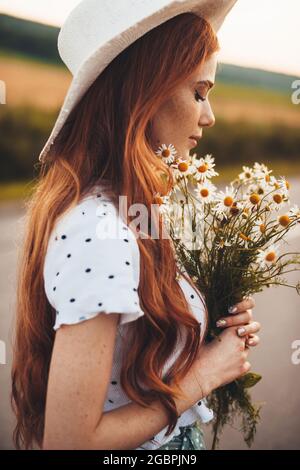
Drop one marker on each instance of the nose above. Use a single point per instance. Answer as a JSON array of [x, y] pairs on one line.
[[207, 117]]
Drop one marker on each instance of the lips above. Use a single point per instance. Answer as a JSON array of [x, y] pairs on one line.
[[196, 138], [193, 141]]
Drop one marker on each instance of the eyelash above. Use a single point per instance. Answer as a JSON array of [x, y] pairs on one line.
[[201, 97]]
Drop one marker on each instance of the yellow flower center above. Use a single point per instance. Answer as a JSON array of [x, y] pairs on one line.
[[277, 198], [203, 168], [204, 192], [228, 201], [287, 184], [267, 178], [262, 228], [271, 256], [284, 220], [183, 166], [248, 175], [166, 153], [254, 198], [243, 236]]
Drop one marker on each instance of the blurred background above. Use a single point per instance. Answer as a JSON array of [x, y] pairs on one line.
[[257, 119]]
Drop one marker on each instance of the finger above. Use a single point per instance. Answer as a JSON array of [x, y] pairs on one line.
[[253, 327], [253, 340], [235, 320], [242, 306]]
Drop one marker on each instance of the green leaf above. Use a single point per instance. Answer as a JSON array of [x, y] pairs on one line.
[[249, 380]]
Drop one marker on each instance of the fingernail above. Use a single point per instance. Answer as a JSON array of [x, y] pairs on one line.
[[221, 323], [232, 309], [241, 331], [250, 341]]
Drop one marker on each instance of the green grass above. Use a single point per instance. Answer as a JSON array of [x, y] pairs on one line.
[[15, 191]]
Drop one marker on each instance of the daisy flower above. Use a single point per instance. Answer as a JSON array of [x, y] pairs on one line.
[[224, 201], [167, 153], [204, 167], [261, 171], [252, 199], [257, 194], [284, 220], [284, 185], [246, 175], [279, 197], [267, 257], [206, 191], [182, 168], [258, 229]]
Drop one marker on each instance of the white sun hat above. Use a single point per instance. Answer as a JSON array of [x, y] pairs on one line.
[[96, 31]]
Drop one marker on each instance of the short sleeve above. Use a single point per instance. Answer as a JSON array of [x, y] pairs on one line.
[[92, 265]]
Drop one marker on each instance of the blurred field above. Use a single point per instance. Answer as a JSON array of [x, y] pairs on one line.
[[43, 85], [22, 189], [33, 83], [235, 102]]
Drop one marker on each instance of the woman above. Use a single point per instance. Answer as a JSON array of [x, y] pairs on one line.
[[109, 348]]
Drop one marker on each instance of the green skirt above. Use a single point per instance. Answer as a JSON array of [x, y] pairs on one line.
[[191, 437]]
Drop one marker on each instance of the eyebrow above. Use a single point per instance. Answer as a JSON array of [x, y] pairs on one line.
[[206, 82]]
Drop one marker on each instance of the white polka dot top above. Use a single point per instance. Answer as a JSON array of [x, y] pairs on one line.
[[92, 265]]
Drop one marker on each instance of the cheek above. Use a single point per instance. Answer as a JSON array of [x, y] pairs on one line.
[[177, 118], [183, 111]]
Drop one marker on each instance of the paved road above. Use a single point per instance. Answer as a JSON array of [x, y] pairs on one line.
[[278, 310]]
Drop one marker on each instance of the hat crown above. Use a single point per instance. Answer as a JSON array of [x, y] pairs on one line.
[[94, 23]]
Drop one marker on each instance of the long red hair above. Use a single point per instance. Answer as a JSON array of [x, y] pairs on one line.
[[108, 135]]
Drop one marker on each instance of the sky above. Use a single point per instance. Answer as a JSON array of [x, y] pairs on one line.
[[256, 33]]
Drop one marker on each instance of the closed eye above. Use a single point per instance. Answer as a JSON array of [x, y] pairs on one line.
[[199, 97]]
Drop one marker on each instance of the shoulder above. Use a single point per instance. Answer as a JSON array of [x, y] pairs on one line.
[[92, 262], [92, 225]]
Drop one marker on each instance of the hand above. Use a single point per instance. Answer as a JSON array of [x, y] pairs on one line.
[[243, 318], [222, 360]]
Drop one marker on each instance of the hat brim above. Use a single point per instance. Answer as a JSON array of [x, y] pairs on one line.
[[214, 12]]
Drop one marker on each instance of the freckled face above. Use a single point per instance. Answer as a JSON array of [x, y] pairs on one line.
[[186, 112]]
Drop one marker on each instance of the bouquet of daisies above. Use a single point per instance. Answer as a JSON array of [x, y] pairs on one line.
[[231, 244]]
